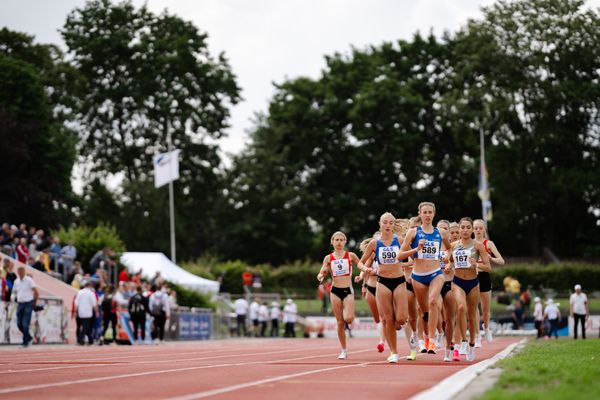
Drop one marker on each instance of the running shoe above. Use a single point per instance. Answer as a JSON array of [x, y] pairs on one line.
[[431, 349], [463, 348], [438, 341], [422, 348], [448, 355], [380, 347], [488, 335], [471, 353], [412, 342], [455, 356], [343, 355], [478, 342], [412, 356], [393, 358]]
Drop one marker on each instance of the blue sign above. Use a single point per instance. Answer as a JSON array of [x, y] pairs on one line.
[[194, 326]]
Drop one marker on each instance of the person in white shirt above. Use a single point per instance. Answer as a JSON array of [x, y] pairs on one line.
[[160, 310], [552, 314], [253, 315], [579, 310], [26, 294], [538, 317], [263, 317], [275, 313], [241, 308], [290, 312], [86, 308]]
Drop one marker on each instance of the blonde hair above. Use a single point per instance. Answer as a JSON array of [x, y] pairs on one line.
[[401, 227], [415, 221], [453, 224], [426, 203], [364, 244], [340, 233], [387, 214], [485, 232]]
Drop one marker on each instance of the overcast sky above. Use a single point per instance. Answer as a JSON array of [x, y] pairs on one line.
[[269, 41]]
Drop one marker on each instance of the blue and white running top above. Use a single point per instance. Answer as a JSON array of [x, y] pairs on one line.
[[387, 255], [432, 246]]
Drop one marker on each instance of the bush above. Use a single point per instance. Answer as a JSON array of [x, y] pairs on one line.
[[89, 240], [560, 277], [191, 298]]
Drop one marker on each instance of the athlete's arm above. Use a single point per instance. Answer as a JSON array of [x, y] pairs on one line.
[[407, 253], [485, 258], [497, 258], [410, 236], [367, 255], [324, 269], [445, 240]]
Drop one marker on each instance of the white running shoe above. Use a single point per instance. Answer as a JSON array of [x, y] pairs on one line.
[[471, 353], [463, 348], [343, 355], [422, 348], [438, 341], [393, 358], [448, 355], [478, 341], [488, 335]]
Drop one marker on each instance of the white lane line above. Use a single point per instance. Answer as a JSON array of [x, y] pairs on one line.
[[159, 372], [170, 361], [452, 385], [232, 388]]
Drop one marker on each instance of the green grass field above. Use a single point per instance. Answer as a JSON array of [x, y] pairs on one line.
[[313, 306], [550, 369]]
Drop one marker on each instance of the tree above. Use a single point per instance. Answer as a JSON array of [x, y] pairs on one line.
[[527, 74], [148, 79], [38, 150]]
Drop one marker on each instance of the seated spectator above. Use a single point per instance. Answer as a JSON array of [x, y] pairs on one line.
[[35, 264]]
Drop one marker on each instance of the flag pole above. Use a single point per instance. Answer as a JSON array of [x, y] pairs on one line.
[[481, 172], [171, 206]]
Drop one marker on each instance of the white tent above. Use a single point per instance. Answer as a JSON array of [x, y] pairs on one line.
[[149, 263]]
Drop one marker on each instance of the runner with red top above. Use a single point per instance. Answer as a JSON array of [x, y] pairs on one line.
[[485, 281], [339, 263]]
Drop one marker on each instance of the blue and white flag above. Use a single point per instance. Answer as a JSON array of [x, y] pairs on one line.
[[166, 168]]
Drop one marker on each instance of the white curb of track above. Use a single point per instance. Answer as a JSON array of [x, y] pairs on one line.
[[454, 384]]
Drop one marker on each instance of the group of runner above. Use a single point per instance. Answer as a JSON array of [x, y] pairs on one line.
[[428, 279]]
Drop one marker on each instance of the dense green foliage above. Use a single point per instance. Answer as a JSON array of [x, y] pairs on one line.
[[37, 150]]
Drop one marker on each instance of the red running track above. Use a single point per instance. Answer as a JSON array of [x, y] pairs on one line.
[[225, 369]]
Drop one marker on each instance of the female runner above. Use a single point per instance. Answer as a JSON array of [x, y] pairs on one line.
[[448, 296], [427, 276], [339, 263], [391, 287], [465, 253], [485, 281]]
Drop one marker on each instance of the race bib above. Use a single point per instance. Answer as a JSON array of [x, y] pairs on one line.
[[340, 267], [388, 255], [430, 250], [461, 258]]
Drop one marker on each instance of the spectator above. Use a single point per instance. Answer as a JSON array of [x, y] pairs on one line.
[[3, 285], [256, 281], [263, 317], [241, 309], [173, 300], [517, 315], [275, 314], [97, 261], [538, 317], [68, 256], [137, 278], [122, 297], [55, 250], [22, 250], [31, 262], [11, 277], [253, 311], [290, 312], [137, 311], [124, 276], [157, 280], [159, 308], [109, 312], [552, 315], [578, 310], [26, 294], [77, 275], [86, 305]]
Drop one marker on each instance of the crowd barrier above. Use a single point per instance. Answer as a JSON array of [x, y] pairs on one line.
[[48, 325]]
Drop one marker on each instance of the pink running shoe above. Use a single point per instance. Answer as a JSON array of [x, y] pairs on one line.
[[380, 347], [455, 356]]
